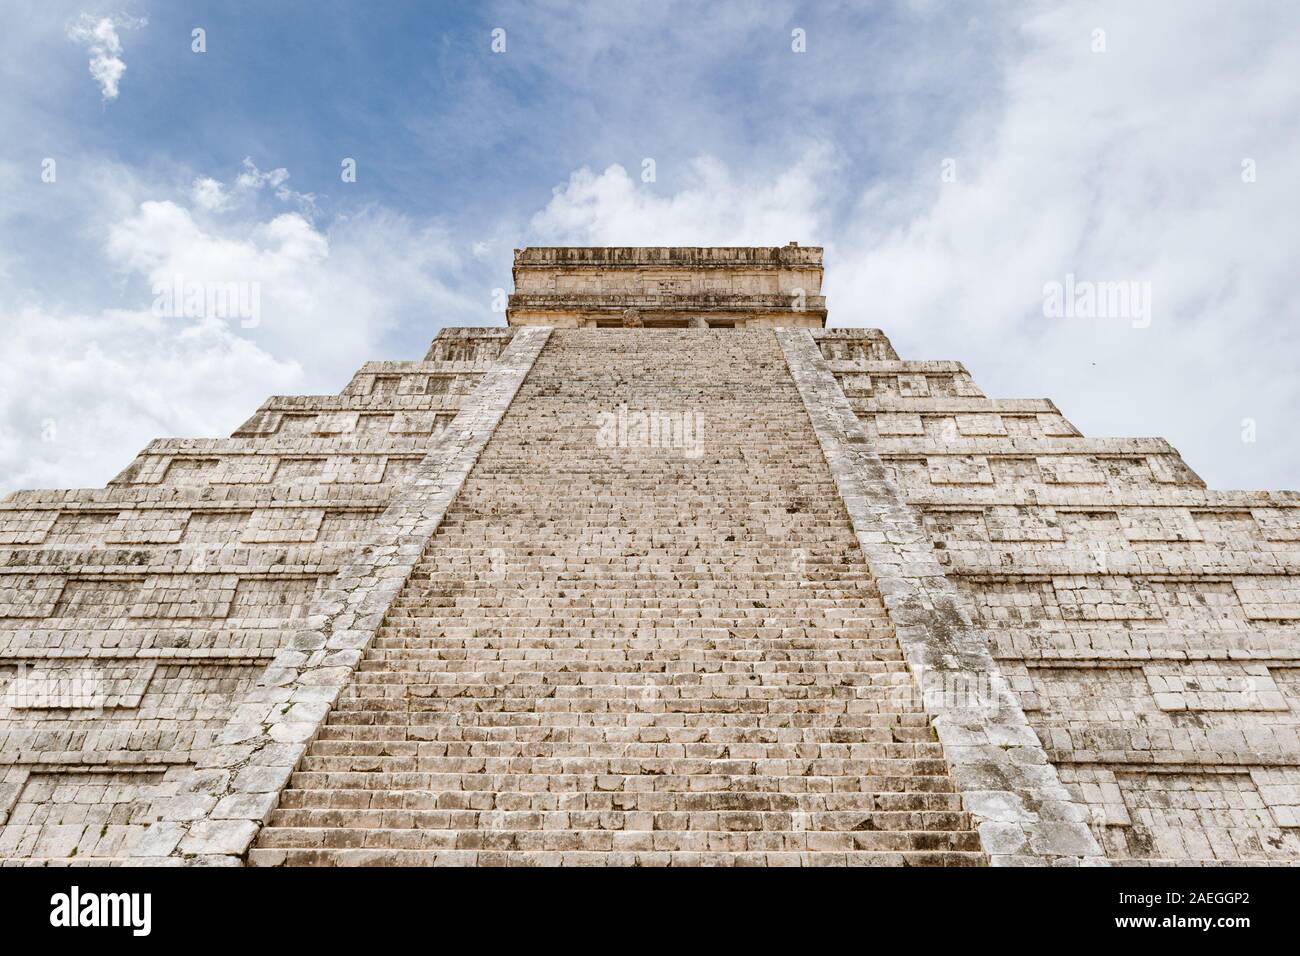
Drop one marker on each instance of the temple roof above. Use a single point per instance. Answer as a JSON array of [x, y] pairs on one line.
[[668, 286]]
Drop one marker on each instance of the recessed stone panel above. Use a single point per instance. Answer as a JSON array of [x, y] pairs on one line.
[[283, 524], [29, 595]]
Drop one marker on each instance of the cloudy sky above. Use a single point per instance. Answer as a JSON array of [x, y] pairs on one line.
[[954, 159]]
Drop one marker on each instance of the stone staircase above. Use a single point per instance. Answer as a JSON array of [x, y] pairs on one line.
[[619, 654]]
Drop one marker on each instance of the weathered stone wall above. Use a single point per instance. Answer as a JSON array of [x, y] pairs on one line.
[[1024, 814], [1146, 623], [739, 287], [134, 617], [635, 650], [1108, 650]]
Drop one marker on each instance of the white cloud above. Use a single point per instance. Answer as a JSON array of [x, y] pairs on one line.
[[213, 195], [100, 38], [330, 295], [209, 193], [715, 206], [1123, 165], [252, 179], [82, 393], [102, 383]]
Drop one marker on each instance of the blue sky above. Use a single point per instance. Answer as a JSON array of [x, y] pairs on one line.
[[1122, 163]]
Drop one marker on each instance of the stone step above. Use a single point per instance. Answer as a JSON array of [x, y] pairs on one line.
[[571, 821], [857, 760], [640, 638], [643, 701], [381, 678], [630, 656], [352, 747], [715, 835], [390, 857], [585, 727], [640, 656], [606, 683], [911, 801], [915, 776], [398, 736]]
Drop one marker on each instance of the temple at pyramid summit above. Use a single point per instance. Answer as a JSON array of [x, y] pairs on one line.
[[664, 571]]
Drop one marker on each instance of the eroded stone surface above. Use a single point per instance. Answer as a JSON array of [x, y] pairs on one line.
[[632, 645], [1020, 807], [171, 642], [1107, 649], [1145, 624]]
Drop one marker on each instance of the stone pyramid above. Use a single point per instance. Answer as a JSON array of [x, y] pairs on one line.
[[662, 572]]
